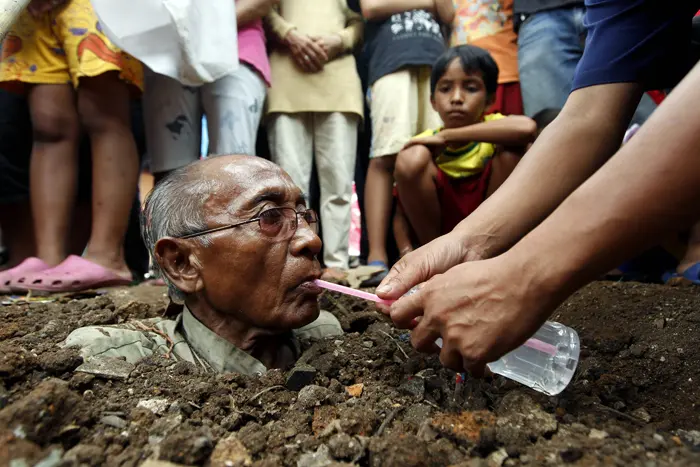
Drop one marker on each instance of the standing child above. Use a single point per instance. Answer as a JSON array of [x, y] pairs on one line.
[[403, 39], [444, 174], [75, 79]]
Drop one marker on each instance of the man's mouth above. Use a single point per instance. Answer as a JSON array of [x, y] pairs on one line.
[[308, 285]]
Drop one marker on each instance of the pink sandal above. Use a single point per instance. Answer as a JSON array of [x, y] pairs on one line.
[[28, 266], [74, 274]]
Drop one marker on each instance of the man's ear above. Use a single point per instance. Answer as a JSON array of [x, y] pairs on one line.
[[178, 261]]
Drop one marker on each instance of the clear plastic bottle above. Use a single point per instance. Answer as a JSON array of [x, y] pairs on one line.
[[545, 363]]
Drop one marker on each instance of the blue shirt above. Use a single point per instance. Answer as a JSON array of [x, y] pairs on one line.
[[636, 41]]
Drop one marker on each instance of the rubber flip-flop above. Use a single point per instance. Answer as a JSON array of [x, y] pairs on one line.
[[377, 278], [692, 274], [28, 266], [74, 274]]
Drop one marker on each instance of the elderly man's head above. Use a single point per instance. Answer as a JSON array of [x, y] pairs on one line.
[[232, 234]]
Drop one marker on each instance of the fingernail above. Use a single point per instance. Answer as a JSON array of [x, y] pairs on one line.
[[384, 288]]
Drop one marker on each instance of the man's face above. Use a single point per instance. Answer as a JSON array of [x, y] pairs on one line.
[[460, 96], [260, 280]]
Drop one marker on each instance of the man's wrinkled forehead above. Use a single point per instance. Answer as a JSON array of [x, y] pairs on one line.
[[246, 186]]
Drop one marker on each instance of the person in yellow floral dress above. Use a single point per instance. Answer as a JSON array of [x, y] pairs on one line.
[[75, 80]]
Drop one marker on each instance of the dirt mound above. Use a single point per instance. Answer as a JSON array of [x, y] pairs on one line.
[[365, 398]]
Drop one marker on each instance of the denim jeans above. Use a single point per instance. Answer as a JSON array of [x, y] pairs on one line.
[[550, 44]]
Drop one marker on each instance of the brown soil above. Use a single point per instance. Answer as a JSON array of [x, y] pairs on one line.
[[634, 400]]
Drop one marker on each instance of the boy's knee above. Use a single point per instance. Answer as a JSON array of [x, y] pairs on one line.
[[50, 126], [412, 163]]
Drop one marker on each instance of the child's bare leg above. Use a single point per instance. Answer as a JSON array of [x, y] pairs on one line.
[[54, 167], [103, 105], [17, 232], [402, 232], [501, 167], [692, 253], [415, 179], [378, 202]]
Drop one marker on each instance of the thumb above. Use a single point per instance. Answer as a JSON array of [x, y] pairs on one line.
[[402, 277]]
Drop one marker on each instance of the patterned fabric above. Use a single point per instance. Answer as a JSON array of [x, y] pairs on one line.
[[62, 46]]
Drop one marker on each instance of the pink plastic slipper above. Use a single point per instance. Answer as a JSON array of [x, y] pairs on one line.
[[74, 274], [28, 266]]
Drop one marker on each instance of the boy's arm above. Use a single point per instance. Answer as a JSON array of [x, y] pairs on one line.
[[445, 10], [375, 10], [278, 25], [353, 32], [248, 11], [514, 130]]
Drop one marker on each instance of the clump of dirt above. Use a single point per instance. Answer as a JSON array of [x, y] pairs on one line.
[[366, 398]]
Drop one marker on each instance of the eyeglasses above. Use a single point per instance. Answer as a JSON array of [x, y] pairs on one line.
[[277, 223]]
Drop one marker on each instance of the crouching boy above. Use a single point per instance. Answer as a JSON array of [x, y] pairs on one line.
[[444, 174]]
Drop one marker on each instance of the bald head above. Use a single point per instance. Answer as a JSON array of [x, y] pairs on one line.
[[181, 203]]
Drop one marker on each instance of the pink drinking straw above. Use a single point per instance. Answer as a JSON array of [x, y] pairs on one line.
[[354, 292], [532, 343]]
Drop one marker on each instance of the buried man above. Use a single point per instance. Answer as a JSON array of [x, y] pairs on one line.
[[237, 246]]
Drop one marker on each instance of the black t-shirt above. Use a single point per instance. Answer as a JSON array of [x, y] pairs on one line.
[[411, 38], [636, 41], [533, 6]]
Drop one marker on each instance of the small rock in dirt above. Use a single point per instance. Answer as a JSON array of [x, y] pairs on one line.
[[4, 396], [691, 437], [232, 421], [571, 455], [184, 368], [465, 427], [230, 452], [107, 367], [85, 455], [81, 381], [57, 363], [619, 405], [598, 434], [497, 458], [344, 447], [311, 396], [157, 406], [367, 344], [414, 387], [113, 421], [186, 447], [44, 412], [320, 458], [517, 409], [355, 390], [660, 323], [638, 350], [642, 414], [655, 443], [300, 376], [156, 463]]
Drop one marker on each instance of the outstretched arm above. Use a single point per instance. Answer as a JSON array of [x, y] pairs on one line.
[[515, 130], [445, 10]]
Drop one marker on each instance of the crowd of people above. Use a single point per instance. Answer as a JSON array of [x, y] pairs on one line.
[[335, 90], [455, 119]]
